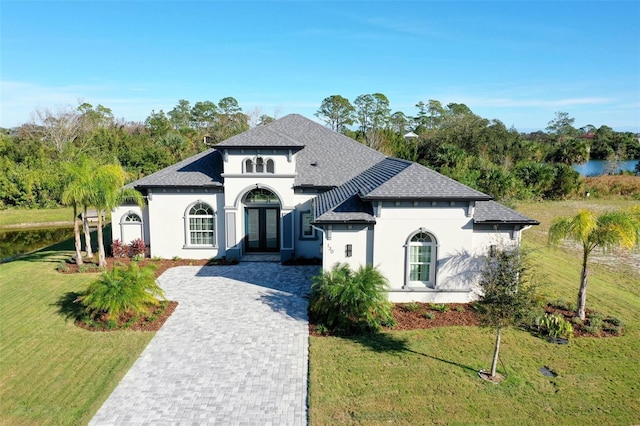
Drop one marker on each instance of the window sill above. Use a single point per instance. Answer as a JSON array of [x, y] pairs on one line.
[[205, 247], [428, 290]]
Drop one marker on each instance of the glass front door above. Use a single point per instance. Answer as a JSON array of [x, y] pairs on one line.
[[262, 229]]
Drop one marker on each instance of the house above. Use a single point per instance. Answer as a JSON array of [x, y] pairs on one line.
[[297, 189]]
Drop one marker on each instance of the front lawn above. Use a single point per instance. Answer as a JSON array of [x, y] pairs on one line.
[[53, 372], [430, 376]]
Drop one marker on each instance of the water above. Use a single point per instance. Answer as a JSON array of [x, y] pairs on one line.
[[598, 167], [20, 241]]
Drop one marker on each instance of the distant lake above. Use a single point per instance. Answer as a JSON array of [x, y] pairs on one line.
[[597, 167], [20, 241]]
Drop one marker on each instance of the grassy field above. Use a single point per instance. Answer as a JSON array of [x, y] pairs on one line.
[[51, 371], [34, 216], [430, 376]]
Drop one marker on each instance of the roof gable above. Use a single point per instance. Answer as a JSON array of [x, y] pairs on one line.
[[324, 158]]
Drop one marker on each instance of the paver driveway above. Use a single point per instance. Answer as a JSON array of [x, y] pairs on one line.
[[234, 351]]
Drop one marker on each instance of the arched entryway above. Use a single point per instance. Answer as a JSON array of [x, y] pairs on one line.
[[262, 221]]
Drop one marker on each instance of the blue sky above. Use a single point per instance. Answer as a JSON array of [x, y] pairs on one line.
[[519, 62]]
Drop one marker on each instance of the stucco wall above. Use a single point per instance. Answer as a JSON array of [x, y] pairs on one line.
[[460, 249], [336, 239], [167, 211]]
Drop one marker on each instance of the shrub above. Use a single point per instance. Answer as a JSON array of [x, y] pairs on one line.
[[412, 307], [554, 325], [122, 290], [429, 315], [460, 309], [62, 267], [137, 248], [118, 249], [348, 301], [440, 307]]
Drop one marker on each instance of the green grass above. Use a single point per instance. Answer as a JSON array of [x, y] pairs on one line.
[[18, 216], [51, 371], [430, 376]]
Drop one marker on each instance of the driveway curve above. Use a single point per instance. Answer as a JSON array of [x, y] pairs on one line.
[[234, 352]]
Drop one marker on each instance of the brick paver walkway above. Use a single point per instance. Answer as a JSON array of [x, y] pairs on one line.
[[233, 353]]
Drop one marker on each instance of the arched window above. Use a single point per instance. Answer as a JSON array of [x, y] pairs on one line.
[[248, 166], [259, 165], [130, 227], [261, 196], [421, 260], [200, 224], [132, 217]]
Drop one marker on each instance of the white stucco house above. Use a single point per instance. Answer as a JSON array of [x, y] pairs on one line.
[[295, 188]]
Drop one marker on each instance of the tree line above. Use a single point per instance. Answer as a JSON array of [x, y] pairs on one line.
[[482, 153]]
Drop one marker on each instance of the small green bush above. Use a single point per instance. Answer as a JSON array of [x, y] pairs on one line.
[[62, 267], [321, 329], [412, 307], [429, 315], [614, 321], [350, 302], [554, 325], [460, 309], [439, 307], [122, 290], [591, 329]]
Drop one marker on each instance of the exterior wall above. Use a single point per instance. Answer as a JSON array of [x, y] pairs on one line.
[[309, 247], [117, 217], [238, 183], [452, 229], [335, 241], [166, 215]]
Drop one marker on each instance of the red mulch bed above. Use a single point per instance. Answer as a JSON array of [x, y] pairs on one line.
[[579, 328], [91, 265], [458, 314], [158, 314], [406, 318], [142, 323]]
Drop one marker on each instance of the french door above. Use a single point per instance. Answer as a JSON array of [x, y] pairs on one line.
[[262, 229]]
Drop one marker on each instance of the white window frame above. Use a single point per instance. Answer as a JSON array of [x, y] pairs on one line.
[[432, 263], [303, 234], [188, 232], [259, 165], [126, 222]]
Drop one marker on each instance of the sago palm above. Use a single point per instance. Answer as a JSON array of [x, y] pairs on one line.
[[609, 230], [122, 290]]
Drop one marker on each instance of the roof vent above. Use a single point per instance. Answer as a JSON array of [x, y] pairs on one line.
[[314, 163]]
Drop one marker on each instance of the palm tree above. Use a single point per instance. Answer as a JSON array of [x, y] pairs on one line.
[[77, 193], [107, 192], [609, 230]]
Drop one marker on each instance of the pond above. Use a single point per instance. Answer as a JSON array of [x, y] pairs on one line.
[[19, 241], [598, 167]]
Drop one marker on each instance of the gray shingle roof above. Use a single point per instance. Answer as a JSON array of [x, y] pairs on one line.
[[328, 159], [203, 169], [419, 182], [492, 212], [324, 158], [345, 203]]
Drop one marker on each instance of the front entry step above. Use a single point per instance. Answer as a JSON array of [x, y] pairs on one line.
[[260, 257]]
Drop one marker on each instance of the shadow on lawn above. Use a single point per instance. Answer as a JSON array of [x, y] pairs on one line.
[[69, 306], [385, 342]]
